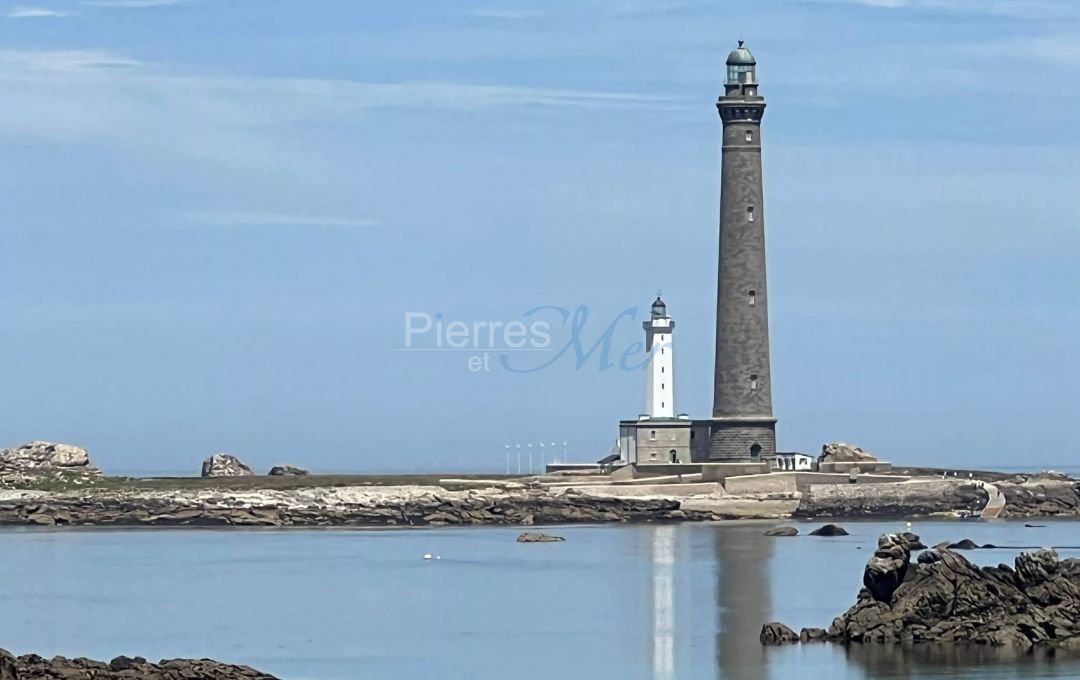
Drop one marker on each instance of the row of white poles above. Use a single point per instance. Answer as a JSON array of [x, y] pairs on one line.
[[545, 451]]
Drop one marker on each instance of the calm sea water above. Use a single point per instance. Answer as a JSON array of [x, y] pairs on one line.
[[660, 602]]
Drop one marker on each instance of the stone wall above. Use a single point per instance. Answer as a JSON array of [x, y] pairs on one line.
[[778, 482], [844, 467], [718, 472]]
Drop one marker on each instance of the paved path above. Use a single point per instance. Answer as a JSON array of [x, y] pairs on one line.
[[996, 504]]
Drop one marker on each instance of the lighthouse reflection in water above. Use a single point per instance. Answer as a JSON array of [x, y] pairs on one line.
[[730, 570]]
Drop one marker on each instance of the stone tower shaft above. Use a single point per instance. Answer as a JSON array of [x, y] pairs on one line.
[[743, 426]]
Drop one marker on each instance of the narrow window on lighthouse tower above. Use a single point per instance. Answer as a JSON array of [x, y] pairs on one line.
[[750, 214], [753, 382], [751, 298], [749, 135]]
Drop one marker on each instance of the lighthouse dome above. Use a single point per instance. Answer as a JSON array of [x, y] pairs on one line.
[[659, 309], [740, 56]]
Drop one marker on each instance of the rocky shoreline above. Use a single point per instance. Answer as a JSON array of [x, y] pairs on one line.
[[34, 667], [506, 504], [47, 484], [348, 506]]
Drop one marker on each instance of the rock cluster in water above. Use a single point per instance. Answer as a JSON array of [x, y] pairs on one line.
[[34, 667], [782, 531], [830, 530], [533, 537], [41, 461], [943, 597]]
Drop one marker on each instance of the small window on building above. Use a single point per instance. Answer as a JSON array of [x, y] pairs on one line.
[[753, 382], [652, 435], [750, 214], [749, 135], [661, 385], [661, 404], [751, 297], [661, 350], [661, 369]]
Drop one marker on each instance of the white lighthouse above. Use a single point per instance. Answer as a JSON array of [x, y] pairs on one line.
[[660, 385]]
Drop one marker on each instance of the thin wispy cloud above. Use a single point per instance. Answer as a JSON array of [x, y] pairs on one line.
[[236, 122], [314, 93], [1056, 50], [15, 61], [26, 12], [508, 14], [657, 6], [241, 218], [1019, 9], [134, 4]]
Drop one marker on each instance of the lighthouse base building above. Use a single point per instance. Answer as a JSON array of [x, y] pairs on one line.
[[658, 435], [662, 441]]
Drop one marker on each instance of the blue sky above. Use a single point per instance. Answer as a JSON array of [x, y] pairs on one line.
[[216, 214]]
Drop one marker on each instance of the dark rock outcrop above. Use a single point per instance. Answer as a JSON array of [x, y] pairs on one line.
[[224, 465], [945, 598], [829, 530], [777, 634], [811, 634], [912, 541], [44, 460], [34, 667], [532, 537], [782, 531], [9, 667], [964, 544], [288, 471], [887, 568]]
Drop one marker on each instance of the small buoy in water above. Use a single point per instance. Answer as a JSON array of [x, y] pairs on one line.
[[438, 557], [427, 556]]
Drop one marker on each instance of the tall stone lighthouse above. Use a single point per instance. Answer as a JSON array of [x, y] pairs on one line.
[[742, 427]]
